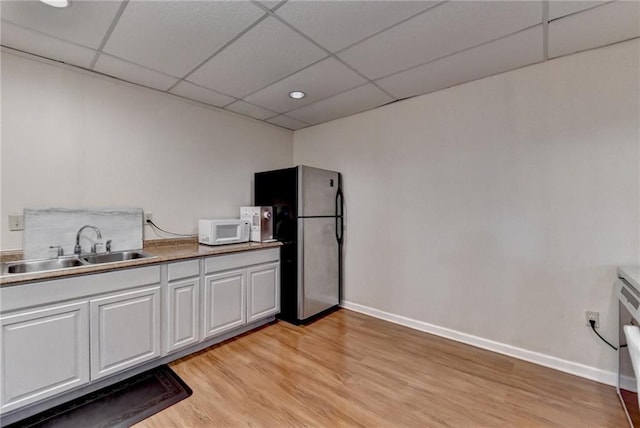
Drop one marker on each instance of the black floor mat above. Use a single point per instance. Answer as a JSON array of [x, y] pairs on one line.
[[120, 405]]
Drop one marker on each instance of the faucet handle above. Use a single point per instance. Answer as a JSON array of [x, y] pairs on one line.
[[60, 250], [96, 246]]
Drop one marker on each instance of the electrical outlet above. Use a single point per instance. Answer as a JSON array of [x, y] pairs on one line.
[[16, 222], [593, 316], [147, 216]]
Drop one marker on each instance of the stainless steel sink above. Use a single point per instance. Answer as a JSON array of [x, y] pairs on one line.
[[118, 256], [44, 265], [30, 266]]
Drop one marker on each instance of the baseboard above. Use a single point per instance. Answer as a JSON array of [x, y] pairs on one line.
[[628, 383], [584, 371]]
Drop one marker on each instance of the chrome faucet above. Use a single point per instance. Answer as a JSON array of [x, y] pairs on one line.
[[78, 249]]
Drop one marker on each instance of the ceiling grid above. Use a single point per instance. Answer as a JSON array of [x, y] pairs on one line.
[[348, 56], [109, 31], [225, 46], [545, 30]]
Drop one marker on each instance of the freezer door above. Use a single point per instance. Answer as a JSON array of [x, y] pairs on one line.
[[317, 190], [318, 266]]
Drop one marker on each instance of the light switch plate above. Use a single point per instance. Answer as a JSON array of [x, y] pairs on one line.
[[16, 222]]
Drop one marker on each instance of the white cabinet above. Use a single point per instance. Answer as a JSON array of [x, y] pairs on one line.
[[125, 330], [240, 288], [263, 291], [224, 302], [182, 305], [44, 352], [106, 323]]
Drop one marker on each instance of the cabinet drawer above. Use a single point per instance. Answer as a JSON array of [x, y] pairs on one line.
[[186, 269], [240, 260]]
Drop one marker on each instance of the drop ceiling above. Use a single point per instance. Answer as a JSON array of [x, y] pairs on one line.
[[347, 56]]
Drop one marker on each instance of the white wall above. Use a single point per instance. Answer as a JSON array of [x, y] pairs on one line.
[[499, 208], [78, 140]]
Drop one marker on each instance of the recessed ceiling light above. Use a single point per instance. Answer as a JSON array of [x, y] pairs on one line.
[[296, 95], [56, 3]]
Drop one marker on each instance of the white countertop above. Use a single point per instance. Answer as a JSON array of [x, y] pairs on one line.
[[631, 274]]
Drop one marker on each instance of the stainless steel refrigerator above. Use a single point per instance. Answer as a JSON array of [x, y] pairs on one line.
[[308, 219]]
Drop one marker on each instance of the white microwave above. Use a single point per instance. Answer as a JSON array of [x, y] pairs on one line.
[[218, 232]]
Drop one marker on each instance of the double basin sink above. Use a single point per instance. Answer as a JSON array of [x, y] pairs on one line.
[[43, 265]]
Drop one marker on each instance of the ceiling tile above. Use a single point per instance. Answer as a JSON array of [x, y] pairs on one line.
[[356, 100], [441, 31], [321, 80], [270, 4], [338, 24], [204, 95], [270, 51], [287, 122], [595, 27], [20, 38], [558, 8], [505, 54], [85, 22], [175, 37], [250, 110], [133, 73]]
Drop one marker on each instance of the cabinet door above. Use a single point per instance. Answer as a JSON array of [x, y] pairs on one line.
[[125, 331], [44, 352], [182, 314], [224, 302], [263, 295]]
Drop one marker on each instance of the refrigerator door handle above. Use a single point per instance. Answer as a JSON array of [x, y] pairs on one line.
[[339, 203], [339, 215]]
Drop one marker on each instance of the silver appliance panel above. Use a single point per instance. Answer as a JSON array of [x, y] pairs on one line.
[[317, 192], [318, 266], [629, 313]]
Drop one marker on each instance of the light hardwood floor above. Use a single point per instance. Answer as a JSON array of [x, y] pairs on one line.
[[349, 369]]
